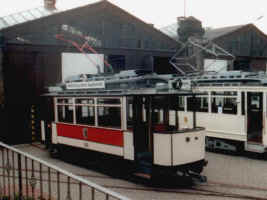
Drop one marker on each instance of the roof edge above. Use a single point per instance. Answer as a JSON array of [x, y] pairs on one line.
[[240, 28], [140, 20]]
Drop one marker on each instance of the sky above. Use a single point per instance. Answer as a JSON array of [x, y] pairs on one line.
[[212, 13]]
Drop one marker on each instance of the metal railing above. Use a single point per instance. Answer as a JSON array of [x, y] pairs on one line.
[[25, 177]]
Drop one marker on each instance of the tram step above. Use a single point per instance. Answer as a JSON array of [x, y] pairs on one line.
[[255, 147]]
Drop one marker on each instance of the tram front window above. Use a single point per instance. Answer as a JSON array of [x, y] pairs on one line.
[[164, 114]]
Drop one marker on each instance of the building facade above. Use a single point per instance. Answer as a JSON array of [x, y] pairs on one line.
[[246, 42], [31, 54]]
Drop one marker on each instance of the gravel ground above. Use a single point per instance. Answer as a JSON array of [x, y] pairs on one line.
[[227, 174]]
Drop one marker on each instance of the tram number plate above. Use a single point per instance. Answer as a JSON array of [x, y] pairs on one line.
[[85, 144]]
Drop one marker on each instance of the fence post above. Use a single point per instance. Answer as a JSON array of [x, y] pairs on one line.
[[20, 176]]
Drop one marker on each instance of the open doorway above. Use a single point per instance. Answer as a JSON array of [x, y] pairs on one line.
[[254, 117], [140, 126]]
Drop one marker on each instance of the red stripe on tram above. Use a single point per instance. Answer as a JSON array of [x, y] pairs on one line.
[[99, 135]]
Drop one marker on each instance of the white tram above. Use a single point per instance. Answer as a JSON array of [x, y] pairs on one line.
[[233, 110], [127, 124]]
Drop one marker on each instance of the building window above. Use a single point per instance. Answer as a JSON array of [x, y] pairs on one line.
[[139, 44], [236, 46]]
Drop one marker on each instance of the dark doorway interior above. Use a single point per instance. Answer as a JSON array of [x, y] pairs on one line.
[[243, 65], [163, 66], [255, 112], [19, 84], [117, 62]]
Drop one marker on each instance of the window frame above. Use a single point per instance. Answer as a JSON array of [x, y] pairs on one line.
[[225, 96], [73, 105]]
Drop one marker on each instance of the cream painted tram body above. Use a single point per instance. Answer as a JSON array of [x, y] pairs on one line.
[[233, 111]]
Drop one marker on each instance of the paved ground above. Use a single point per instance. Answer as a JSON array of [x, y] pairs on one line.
[[232, 177]]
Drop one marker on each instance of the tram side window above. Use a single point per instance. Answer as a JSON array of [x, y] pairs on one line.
[[109, 113], [129, 113], [226, 105], [109, 101], [65, 110], [109, 117], [85, 112], [243, 102], [181, 103], [230, 106], [199, 104]]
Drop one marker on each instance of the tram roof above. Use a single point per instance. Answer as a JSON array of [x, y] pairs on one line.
[[114, 93]]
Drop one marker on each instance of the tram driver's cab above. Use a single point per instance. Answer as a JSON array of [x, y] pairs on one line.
[[157, 135]]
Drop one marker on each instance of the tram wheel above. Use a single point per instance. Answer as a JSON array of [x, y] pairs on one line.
[[54, 151], [239, 149], [265, 156]]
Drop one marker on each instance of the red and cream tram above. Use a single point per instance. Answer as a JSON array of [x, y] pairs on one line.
[[131, 124]]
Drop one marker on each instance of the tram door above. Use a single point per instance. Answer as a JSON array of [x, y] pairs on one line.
[[47, 115], [141, 130], [254, 116]]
